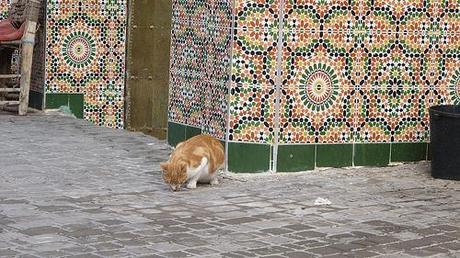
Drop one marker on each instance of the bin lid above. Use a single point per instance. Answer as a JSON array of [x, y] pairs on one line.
[[445, 110]]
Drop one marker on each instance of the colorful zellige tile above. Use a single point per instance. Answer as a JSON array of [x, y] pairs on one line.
[[252, 113], [4, 8], [85, 53], [200, 64], [351, 71], [318, 106], [308, 117]]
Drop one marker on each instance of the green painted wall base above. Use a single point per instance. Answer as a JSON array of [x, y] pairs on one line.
[[178, 133], [294, 158], [248, 158], [73, 101], [254, 158]]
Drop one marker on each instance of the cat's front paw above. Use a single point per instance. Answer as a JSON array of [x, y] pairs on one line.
[[191, 185]]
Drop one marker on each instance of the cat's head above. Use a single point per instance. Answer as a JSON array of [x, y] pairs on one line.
[[175, 175]]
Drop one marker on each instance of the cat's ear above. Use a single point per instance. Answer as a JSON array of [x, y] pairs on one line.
[[164, 166]]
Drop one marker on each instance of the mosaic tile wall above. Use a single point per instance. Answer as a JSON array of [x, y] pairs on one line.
[[351, 71], [344, 71], [200, 56], [4, 8], [367, 71], [85, 54]]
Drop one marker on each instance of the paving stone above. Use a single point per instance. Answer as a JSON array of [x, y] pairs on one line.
[[453, 246], [151, 256], [112, 222], [89, 191], [199, 226], [298, 254], [310, 234], [107, 246], [363, 254], [238, 254], [53, 254], [298, 227], [42, 231], [427, 251], [115, 254], [446, 228], [270, 250], [176, 254], [311, 243], [27, 256], [8, 252], [202, 251], [132, 242], [346, 247], [325, 250], [84, 256], [276, 231], [238, 221]]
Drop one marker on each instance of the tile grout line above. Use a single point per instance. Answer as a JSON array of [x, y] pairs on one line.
[[229, 84], [279, 59], [128, 56], [391, 151]]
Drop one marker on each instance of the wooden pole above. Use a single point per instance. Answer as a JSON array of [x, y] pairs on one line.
[[27, 52]]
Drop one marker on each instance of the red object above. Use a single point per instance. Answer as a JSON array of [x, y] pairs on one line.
[[5, 22], [8, 32]]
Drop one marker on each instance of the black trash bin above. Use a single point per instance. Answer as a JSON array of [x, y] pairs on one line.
[[445, 141]]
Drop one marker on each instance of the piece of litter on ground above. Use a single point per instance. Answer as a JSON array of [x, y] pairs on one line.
[[322, 201]]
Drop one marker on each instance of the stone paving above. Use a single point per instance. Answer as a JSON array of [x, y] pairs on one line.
[[68, 188]]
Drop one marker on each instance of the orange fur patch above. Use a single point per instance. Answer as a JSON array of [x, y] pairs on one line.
[[190, 153]]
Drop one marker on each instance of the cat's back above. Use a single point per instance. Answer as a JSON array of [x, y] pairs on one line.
[[201, 146]]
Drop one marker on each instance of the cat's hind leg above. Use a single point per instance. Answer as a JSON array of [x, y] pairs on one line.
[[196, 173], [214, 180]]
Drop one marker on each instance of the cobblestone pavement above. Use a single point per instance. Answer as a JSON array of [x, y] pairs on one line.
[[68, 188]]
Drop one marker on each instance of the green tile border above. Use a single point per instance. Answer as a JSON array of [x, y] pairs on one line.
[[377, 154], [36, 100], [255, 158], [191, 132], [248, 158], [74, 101], [176, 133], [408, 152], [296, 158], [334, 155], [56, 100]]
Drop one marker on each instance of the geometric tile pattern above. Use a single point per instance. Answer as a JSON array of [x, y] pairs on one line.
[[4, 8], [347, 71], [85, 53], [351, 71], [200, 58], [254, 71]]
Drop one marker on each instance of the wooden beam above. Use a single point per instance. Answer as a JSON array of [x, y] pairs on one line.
[[10, 89], [9, 102], [15, 43], [9, 76]]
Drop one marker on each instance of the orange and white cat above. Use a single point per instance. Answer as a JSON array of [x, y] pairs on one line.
[[195, 160]]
